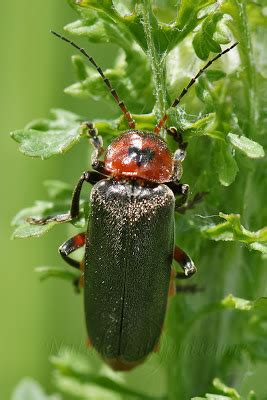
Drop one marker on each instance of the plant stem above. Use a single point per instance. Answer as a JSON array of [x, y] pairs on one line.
[[237, 9], [158, 62]]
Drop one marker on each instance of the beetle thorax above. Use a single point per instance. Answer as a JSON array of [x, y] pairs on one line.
[[138, 154]]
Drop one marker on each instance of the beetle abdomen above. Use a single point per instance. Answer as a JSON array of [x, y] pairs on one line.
[[127, 267]]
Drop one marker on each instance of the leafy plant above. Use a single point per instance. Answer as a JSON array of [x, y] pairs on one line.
[[208, 334]]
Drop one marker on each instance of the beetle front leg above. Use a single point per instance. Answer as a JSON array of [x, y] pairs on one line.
[[90, 177], [97, 143], [68, 247], [186, 263]]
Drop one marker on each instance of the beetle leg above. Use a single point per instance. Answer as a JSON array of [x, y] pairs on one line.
[[97, 143], [186, 263], [181, 191], [189, 289], [178, 137], [90, 177], [68, 247], [188, 205]]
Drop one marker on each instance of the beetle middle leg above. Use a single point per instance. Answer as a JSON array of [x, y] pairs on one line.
[[88, 176], [186, 263], [68, 247], [181, 192]]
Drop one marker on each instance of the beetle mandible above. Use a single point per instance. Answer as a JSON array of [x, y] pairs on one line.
[[129, 243]]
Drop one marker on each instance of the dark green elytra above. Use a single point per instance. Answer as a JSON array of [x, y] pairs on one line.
[[128, 258]]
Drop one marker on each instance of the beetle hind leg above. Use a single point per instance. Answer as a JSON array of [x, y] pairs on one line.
[[68, 247]]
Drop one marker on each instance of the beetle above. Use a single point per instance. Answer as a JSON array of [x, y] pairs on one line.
[[129, 243]]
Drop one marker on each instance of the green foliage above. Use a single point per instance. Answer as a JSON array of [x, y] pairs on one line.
[[232, 230], [224, 123], [28, 389], [73, 375], [222, 388], [60, 195]]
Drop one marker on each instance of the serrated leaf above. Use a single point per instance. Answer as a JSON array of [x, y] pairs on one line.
[[203, 41], [28, 230], [232, 230], [200, 127], [46, 144], [61, 194], [236, 303], [93, 29], [46, 138], [29, 389], [258, 247], [222, 34], [247, 146], [98, 30], [66, 273], [188, 12], [39, 208]]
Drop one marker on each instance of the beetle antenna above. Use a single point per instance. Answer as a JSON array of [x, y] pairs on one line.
[[120, 103], [163, 120]]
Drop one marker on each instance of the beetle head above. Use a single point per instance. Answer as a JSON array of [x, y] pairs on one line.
[[139, 154]]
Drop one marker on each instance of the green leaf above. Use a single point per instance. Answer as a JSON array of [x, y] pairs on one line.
[[247, 146], [29, 389], [93, 29], [236, 303], [80, 67], [223, 34], [46, 138], [225, 164], [60, 194], [188, 11], [99, 30], [46, 144], [219, 385], [252, 395], [215, 74], [104, 5], [232, 230], [203, 41], [74, 375], [27, 230], [66, 273]]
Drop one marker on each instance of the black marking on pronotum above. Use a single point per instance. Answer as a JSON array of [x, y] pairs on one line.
[[141, 156]]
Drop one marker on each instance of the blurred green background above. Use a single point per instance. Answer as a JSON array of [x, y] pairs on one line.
[[39, 319], [36, 319]]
